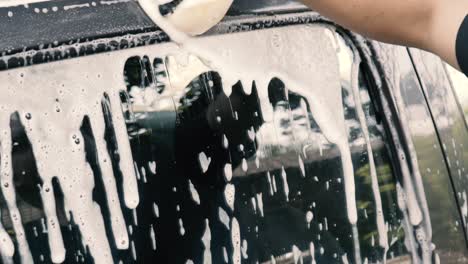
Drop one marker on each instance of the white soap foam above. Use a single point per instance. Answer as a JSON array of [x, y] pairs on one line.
[[309, 217], [333, 130], [236, 241], [284, 176], [45, 96], [279, 57], [204, 161], [244, 249], [296, 254], [260, 203], [152, 166], [153, 237], [197, 16], [7, 249], [301, 166], [312, 253], [206, 240], [270, 186], [383, 236], [156, 210], [224, 217], [228, 172], [229, 195], [254, 204], [194, 193]]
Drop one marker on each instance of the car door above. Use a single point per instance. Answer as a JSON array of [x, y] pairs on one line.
[[137, 151], [427, 168]]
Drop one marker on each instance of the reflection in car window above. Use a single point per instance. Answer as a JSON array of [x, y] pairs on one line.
[[285, 210], [220, 183], [381, 223], [440, 150], [460, 85]]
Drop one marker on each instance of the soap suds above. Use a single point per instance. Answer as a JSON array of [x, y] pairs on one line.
[[383, 237], [270, 186], [260, 203], [194, 193], [223, 217], [279, 58], [228, 172], [206, 240], [195, 17], [152, 166], [229, 195], [296, 254], [309, 217], [204, 161], [236, 241], [333, 130], [7, 249], [284, 176], [44, 96], [153, 238], [312, 253], [7, 185]]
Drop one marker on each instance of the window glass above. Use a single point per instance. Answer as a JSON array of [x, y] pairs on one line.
[[381, 222], [287, 178], [432, 117], [460, 84], [440, 147], [225, 175]]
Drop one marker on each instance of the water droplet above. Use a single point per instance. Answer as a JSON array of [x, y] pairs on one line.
[[77, 141], [28, 116]]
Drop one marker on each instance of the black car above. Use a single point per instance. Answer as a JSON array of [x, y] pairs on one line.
[[301, 142]]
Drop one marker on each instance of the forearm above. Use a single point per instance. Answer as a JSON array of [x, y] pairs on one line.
[[426, 24], [393, 21]]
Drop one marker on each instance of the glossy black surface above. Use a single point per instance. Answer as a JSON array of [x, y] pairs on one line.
[[449, 120], [201, 118], [72, 21]]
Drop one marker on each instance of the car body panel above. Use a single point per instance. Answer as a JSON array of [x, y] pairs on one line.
[[120, 31]]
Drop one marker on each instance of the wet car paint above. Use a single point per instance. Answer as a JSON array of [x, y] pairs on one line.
[[415, 98]]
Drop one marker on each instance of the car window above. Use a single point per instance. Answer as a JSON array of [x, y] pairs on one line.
[[287, 178], [442, 168], [383, 223], [225, 173], [459, 83], [425, 104]]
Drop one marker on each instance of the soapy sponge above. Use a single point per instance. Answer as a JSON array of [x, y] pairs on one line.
[[193, 17]]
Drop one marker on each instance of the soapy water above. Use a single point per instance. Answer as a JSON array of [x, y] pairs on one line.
[[380, 220], [42, 102], [93, 112], [79, 86], [280, 58]]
